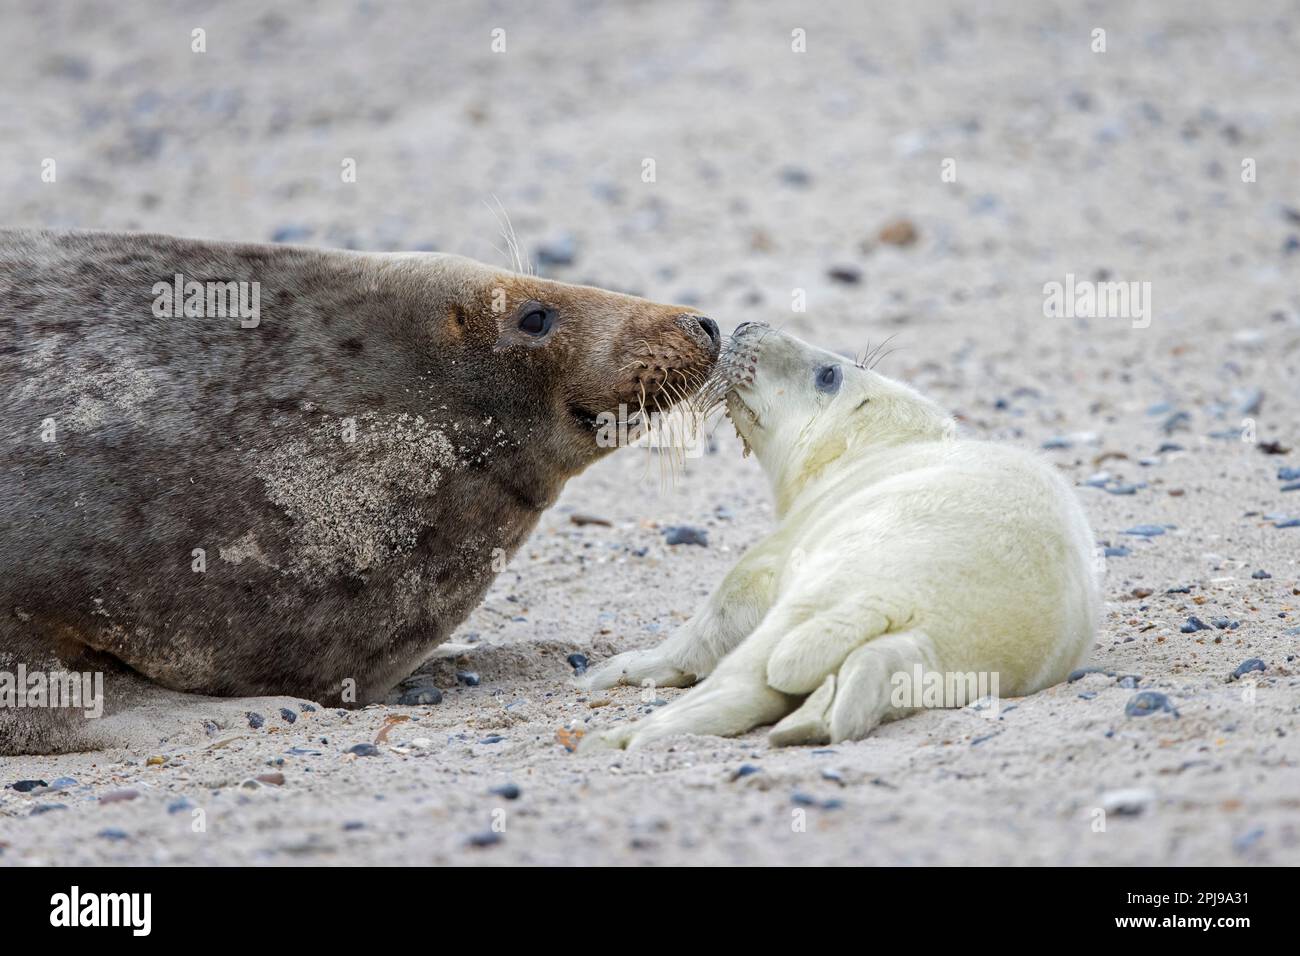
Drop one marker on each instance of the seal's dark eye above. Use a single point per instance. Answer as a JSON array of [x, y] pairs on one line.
[[536, 320], [829, 378]]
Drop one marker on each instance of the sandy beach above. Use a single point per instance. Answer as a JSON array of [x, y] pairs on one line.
[[923, 171]]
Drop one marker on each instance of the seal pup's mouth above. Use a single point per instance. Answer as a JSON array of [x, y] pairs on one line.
[[735, 372]]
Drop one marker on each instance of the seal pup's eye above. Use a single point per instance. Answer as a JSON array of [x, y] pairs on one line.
[[829, 378], [536, 320]]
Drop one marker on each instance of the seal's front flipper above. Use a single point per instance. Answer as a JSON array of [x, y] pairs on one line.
[[649, 668], [811, 723]]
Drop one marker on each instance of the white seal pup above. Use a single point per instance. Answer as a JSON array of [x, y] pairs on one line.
[[902, 553]]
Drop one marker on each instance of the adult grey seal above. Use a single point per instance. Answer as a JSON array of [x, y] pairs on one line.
[[263, 469]]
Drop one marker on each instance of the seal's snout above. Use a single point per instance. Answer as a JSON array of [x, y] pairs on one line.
[[703, 330], [710, 329]]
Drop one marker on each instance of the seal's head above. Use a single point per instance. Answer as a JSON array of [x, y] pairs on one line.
[[800, 408], [553, 358]]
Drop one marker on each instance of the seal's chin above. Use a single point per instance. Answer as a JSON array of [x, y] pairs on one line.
[[742, 415]]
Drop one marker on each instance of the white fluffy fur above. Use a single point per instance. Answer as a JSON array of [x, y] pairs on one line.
[[898, 546]]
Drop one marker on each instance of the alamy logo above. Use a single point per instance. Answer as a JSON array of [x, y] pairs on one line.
[[214, 299], [103, 909], [52, 689], [929, 689], [1085, 299], [677, 429]]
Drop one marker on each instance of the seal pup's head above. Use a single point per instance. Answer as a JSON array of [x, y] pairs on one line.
[[801, 409], [553, 359]]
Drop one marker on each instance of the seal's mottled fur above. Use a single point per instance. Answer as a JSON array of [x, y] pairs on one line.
[[318, 499]]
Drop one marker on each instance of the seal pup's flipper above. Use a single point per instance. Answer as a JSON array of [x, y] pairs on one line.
[[811, 723], [732, 700], [864, 688]]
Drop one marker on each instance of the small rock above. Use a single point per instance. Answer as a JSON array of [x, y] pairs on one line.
[[1149, 702], [507, 791], [1288, 474], [180, 806], [1193, 625], [287, 715], [119, 796], [274, 779], [900, 233], [578, 662], [745, 770], [1083, 672], [1146, 530], [796, 176], [1243, 843], [486, 838], [292, 234], [582, 520], [559, 251], [364, 750], [1246, 666], [46, 808], [1127, 803], [1119, 552], [492, 739], [686, 534], [848, 275], [113, 833], [26, 786], [1261, 575], [468, 678], [420, 697], [255, 720]]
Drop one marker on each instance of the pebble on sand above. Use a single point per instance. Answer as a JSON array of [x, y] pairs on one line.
[[1146, 530], [507, 791], [26, 786], [578, 662], [420, 697], [119, 796], [255, 720], [900, 232], [364, 750], [1127, 803], [1149, 702], [1246, 666], [686, 534]]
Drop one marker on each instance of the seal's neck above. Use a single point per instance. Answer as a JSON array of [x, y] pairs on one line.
[[871, 434]]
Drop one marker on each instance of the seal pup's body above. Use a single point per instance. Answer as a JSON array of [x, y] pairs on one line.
[[900, 550], [303, 503]]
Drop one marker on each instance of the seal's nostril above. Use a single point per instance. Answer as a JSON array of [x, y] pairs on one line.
[[741, 327], [710, 329]]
